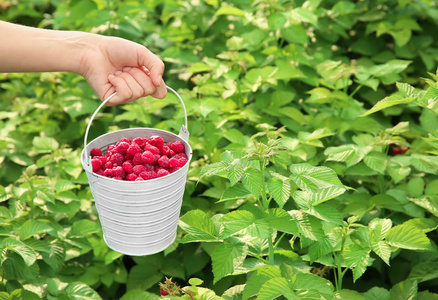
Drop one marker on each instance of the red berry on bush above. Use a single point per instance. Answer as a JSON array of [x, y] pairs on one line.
[[163, 292], [396, 151]]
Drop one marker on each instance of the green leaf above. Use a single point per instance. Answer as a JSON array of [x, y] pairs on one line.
[[230, 10], [28, 254], [430, 203], [350, 154], [32, 227], [379, 228], [258, 278], [198, 226], [406, 89], [309, 226], [63, 185], [308, 282], [274, 288], [44, 144], [237, 191], [138, 294], [281, 220], [55, 258], [279, 188], [209, 170], [382, 249], [301, 14], [376, 293], [406, 236], [376, 161], [143, 277], [319, 249], [235, 221], [425, 163], [392, 100], [406, 289], [295, 34], [226, 257], [235, 171], [357, 258], [309, 177], [348, 295], [83, 228], [392, 67], [253, 181], [81, 291], [311, 198], [416, 187]]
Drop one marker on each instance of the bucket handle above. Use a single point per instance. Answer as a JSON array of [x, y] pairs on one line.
[[183, 133]]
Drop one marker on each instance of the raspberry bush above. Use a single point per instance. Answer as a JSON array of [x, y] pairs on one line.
[[313, 126]]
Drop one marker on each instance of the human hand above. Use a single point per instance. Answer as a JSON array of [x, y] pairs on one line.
[[118, 65]]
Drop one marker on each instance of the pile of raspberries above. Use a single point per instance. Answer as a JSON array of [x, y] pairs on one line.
[[139, 159]]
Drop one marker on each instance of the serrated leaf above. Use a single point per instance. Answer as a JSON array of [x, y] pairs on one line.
[[376, 161], [379, 228], [198, 226], [138, 294], [350, 154], [319, 249], [274, 288], [63, 185], [312, 198], [83, 228], [281, 220], [406, 236], [430, 203], [226, 257], [237, 191], [406, 89], [258, 278], [235, 171], [44, 144], [55, 257], [142, 277], [376, 293], [230, 10], [424, 271], [356, 258], [253, 181], [28, 254], [425, 163], [382, 249], [279, 188], [326, 213], [406, 289], [309, 226], [32, 227], [236, 221], [81, 291], [309, 282], [309, 177], [209, 170]]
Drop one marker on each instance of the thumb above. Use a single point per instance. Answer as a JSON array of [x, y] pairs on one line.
[[155, 66]]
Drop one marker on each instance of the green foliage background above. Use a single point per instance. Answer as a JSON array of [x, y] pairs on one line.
[[244, 68]]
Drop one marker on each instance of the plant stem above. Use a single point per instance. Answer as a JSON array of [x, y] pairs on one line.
[[265, 207]]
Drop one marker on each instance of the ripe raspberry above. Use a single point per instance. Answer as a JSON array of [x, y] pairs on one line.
[[127, 166], [117, 158], [126, 140], [165, 151], [151, 148], [134, 148], [175, 163], [163, 292], [163, 162], [156, 158], [180, 155], [112, 149], [139, 179], [149, 167], [162, 172], [174, 169], [156, 141], [108, 165], [148, 175], [96, 164], [177, 147], [96, 152], [100, 172], [147, 157], [118, 178], [122, 147], [171, 153], [102, 159], [138, 169], [141, 142], [137, 159], [118, 172], [131, 177], [108, 173]]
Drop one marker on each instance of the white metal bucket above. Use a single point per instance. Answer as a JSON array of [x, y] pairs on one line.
[[137, 217]]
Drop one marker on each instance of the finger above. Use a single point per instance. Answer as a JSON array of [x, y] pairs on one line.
[[161, 91], [134, 91], [153, 64], [143, 80]]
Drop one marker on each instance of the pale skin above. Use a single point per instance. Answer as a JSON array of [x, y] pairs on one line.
[[109, 64]]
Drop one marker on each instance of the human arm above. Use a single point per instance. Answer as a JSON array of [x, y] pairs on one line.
[[109, 64]]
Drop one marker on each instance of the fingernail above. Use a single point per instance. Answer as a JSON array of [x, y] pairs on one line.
[[117, 73], [146, 70], [126, 69]]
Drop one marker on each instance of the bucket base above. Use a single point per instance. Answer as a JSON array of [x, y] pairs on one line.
[[140, 251]]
